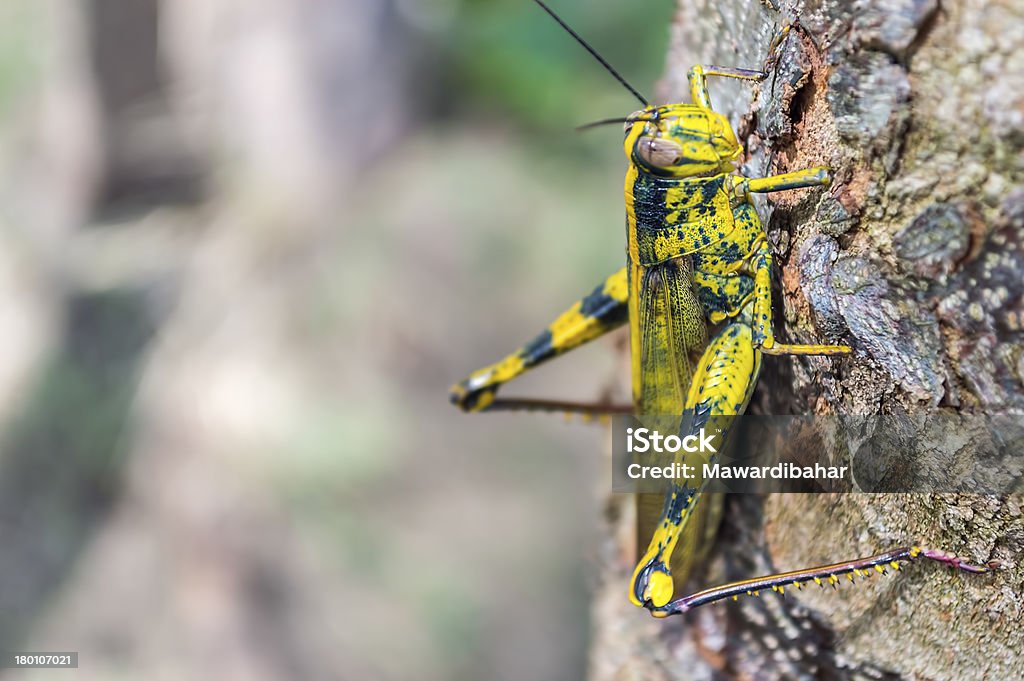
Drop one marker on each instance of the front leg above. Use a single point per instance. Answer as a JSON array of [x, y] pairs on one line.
[[598, 313], [818, 176], [698, 78]]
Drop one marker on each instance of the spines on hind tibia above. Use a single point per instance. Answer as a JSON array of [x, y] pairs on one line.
[[826, 574]]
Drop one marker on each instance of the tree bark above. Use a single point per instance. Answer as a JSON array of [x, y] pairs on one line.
[[914, 257]]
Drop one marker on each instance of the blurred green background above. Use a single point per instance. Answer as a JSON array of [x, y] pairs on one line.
[[247, 248]]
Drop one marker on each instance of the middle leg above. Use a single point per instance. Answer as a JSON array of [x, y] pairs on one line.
[[764, 335]]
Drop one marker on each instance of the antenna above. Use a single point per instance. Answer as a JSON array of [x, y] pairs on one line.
[[603, 121], [593, 53]]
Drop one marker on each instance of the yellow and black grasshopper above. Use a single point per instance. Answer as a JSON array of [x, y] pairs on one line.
[[697, 258]]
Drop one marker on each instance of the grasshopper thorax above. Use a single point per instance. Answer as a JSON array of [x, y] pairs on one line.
[[681, 140]]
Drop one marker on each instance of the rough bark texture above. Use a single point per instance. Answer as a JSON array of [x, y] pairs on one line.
[[913, 257]]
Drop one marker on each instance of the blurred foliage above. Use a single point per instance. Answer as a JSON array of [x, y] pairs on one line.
[[19, 57], [470, 531], [512, 61]]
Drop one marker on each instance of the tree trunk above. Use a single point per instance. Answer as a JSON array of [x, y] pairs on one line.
[[914, 258]]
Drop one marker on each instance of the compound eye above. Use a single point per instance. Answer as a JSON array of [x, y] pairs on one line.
[[658, 152]]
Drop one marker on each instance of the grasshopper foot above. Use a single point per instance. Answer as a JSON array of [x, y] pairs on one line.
[[652, 584], [473, 394]]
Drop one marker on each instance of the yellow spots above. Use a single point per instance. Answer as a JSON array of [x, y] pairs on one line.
[[879, 569], [698, 214], [729, 287], [726, 375], [895, 565]]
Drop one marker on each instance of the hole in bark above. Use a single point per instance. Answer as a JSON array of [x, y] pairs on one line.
[[802, 101]]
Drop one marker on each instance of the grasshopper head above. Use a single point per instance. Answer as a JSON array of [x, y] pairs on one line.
[[681, 140]]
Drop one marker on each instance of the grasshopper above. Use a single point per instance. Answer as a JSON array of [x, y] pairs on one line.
[[697, 259]]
